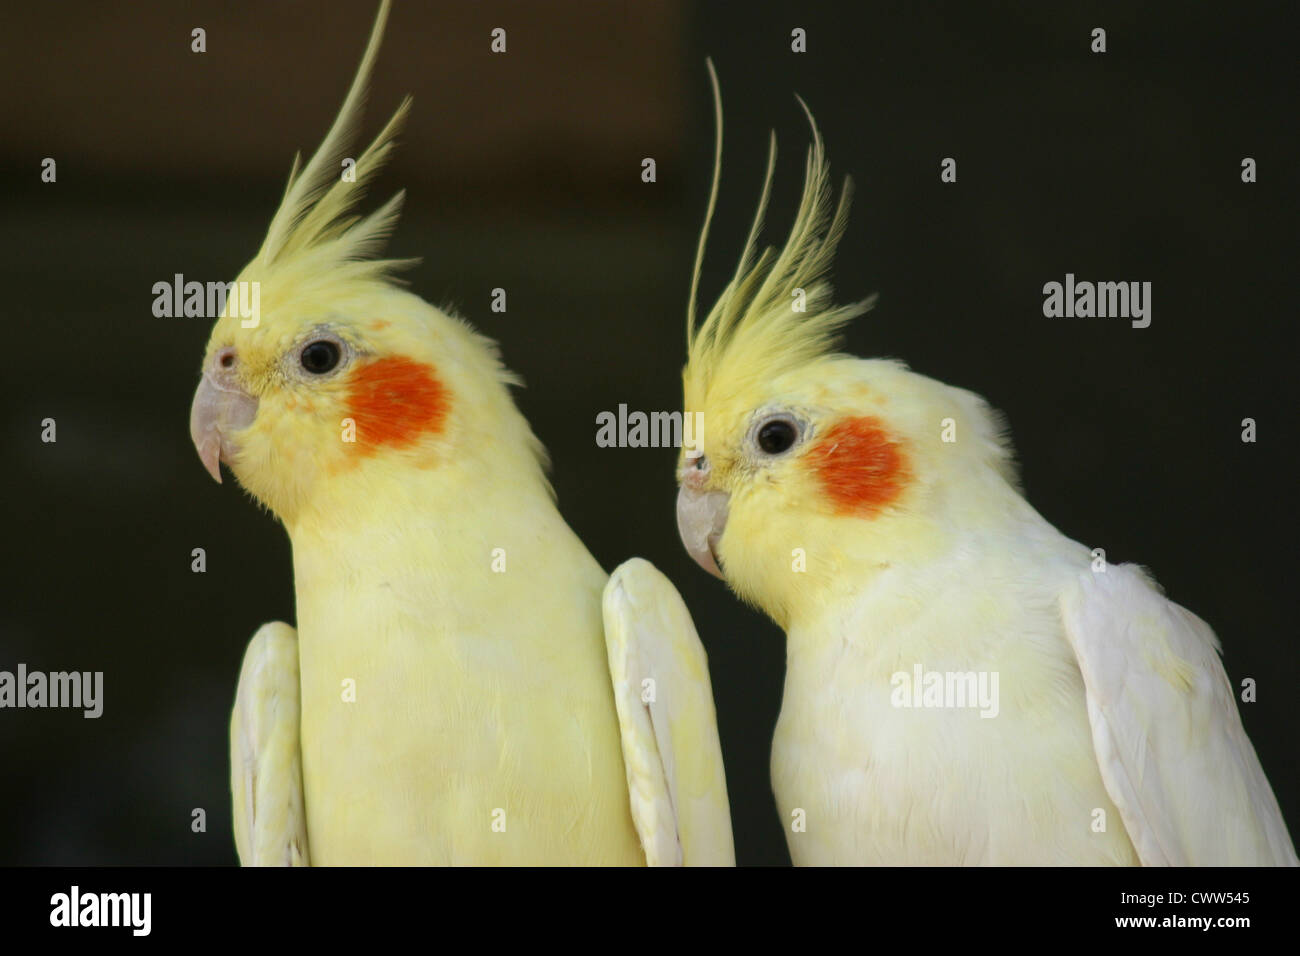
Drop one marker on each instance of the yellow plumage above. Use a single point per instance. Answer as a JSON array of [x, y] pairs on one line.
[[455, 639], [754, 333], [874, 514]]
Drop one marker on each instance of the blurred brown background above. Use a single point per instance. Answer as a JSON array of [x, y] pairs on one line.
[[523, 171], [583, 85]]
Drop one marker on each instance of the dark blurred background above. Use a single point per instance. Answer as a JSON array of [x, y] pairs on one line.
[[523, 171]]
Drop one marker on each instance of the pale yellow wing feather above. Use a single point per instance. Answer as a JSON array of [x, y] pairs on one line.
[[1173, 754], [676, 779], [265, 753]]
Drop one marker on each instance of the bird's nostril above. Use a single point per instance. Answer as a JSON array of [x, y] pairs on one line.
[[226, 358]]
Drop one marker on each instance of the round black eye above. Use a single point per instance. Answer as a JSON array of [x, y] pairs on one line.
[[320, 357], [777, 436]]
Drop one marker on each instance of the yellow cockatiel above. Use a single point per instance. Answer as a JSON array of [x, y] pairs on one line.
[[465, 685], [964, 684]]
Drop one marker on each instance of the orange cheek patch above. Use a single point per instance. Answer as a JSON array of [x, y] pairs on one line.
[[860, 465], [394, 401]]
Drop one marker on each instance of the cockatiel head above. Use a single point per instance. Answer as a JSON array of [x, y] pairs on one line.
[[818, 469], [342, 376]]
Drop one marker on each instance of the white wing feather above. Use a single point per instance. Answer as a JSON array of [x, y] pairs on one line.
[[1174, 756], [266, 755], [660, 673]]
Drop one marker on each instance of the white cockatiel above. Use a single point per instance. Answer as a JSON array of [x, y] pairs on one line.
[[465, 684], [964, 684]]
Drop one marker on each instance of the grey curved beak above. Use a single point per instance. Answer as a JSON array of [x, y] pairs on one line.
[[701, 519], [218, 410]]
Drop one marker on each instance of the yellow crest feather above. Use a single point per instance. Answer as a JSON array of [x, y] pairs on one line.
[[753, 332], [314, 228]]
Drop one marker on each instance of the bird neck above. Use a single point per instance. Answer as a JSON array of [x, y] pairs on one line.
[[849, 558]]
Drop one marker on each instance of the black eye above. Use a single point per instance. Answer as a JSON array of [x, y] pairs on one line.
[[320, 357], [777, 436]]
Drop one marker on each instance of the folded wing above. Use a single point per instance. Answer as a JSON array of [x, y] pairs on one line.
[[675, 775], [1174, 756], [265, 753]]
